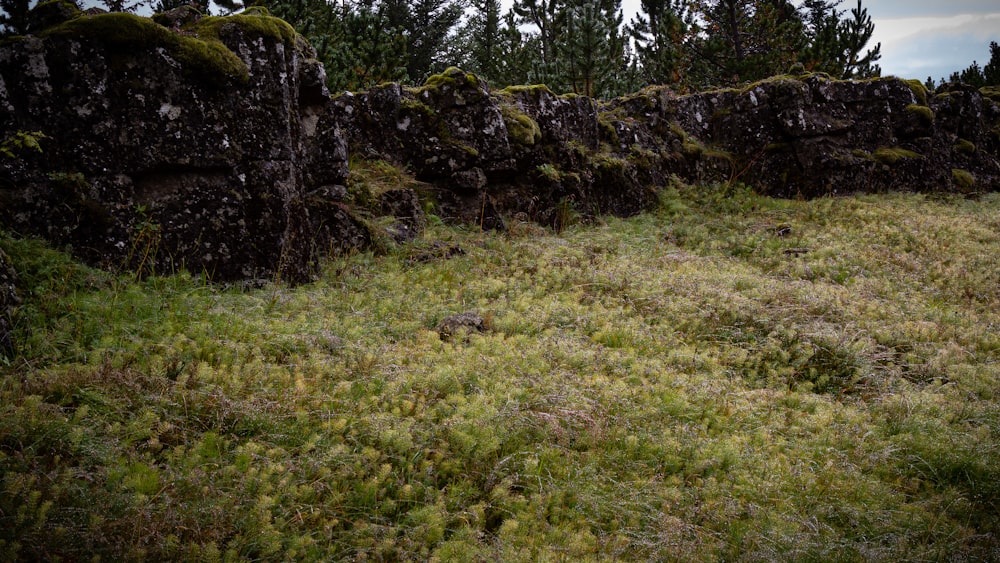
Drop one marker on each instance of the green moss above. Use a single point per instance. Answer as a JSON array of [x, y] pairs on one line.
[[991, 92], [925, 113], [965, 147], [862, 154], [256, 21], [114, 29], [605, 121], [893, 155], [453, 76], [780, 80], [127, 33], [412, 105], [521, 128], [608, 163], [817, 74], [534, 90], [777, 147], [549, 171], [642, 157], [919, 90], [964, 181]]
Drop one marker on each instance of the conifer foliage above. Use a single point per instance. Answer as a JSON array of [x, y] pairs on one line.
[[14, 16], [578, 46], [977, 76]]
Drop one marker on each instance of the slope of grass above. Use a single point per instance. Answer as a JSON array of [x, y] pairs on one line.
[[731, 377]]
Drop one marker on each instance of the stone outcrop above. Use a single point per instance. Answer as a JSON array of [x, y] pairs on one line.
[[526, 151], [811, 135], [492, 154], [212, 144], [163, 148]]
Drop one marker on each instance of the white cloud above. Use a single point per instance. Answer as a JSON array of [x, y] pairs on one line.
[[936, 47], [907, 9]]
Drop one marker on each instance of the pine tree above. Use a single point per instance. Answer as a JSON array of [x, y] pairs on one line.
[[736, 41], [659, 31], [824, 52], [370, 51], [973, 76], [427, 26], [517, 53], [991, 72], [14, 19], [358, 46], [485, 35], [591, 47], [855, 34], [544, 16]]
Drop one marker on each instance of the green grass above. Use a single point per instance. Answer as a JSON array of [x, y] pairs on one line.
[[732, 377]]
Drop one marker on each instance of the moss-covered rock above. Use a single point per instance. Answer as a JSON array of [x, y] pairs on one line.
[[963, 180], [521, 128], [965, 147], [919, 91], [925, 113], [255, 21], [452, 77], [166, 148], [885, 155], [125, 34]]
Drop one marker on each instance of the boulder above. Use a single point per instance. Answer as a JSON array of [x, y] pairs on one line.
[[189, 147], [461, 325]]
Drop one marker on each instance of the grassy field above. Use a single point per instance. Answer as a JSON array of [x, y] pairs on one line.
[[729, 378]]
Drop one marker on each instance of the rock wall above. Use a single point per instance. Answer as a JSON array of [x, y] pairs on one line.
[[212, 144], [526, 151], [190, 147]]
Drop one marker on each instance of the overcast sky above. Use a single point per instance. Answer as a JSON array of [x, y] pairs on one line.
[[920, 38]]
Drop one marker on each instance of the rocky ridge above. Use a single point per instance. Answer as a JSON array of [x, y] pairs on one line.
[[212, 144]]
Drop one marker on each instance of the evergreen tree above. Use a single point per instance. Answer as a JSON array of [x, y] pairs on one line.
[[824, 53], [427, 26], [743, 40], [991, 72], [485, 36], [14, 19], [542, 14], [368, 52], [659, 31], [516, 54], [544, 18], [973, 76], [132, 6], [855, 34], [359, 46], [591, 48]]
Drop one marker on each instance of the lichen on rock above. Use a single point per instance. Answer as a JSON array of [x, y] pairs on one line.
[[212, 142], [193, 144]]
